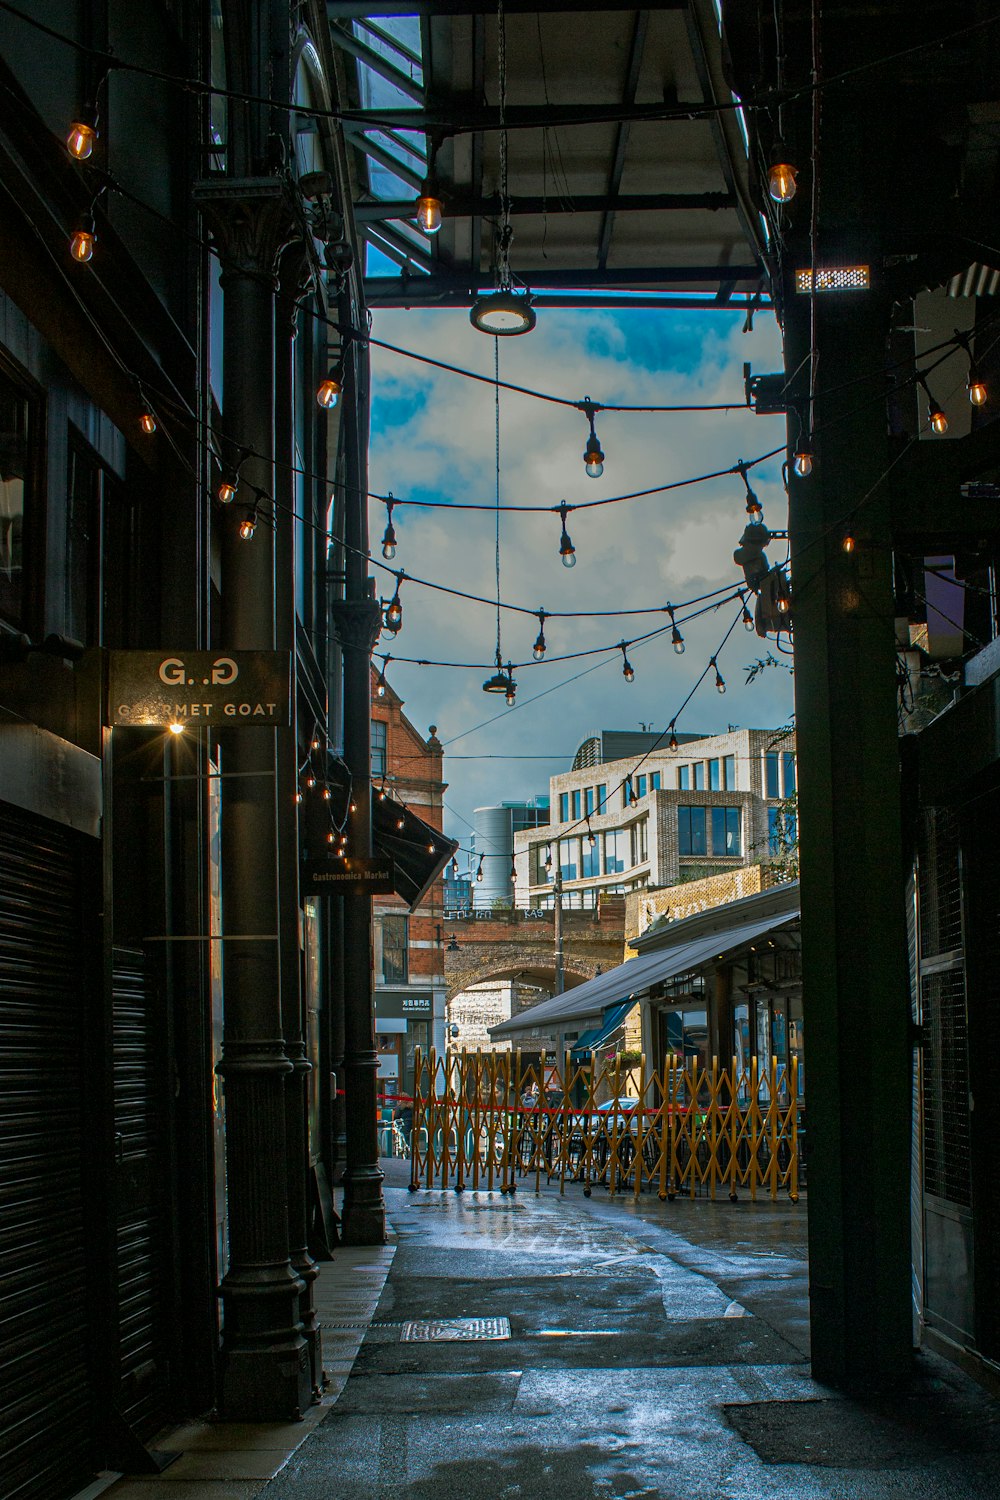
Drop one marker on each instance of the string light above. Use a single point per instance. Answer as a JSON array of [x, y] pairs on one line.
[[331, 389], [593, 458], [327, 794], [720, 685], [389, 539], [747, 618], [672, 743], [298, 797], [430, 209], [538, 649], [81, 245], [628, 671], [394, 613], [591, 835], [510, 693], [676, 639], [848, 543], [82, 136], [230, 481], [380, 683], [548, 856], [479, 871], [513, 872], [803, 460], [248, 526], [755, 511], [781, 175], [935, 413], [148, 423], [977, 389], [310, 782], [566, 549]]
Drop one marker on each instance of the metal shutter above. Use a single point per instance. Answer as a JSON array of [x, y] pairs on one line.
[[143, 1232], [46, 1401]]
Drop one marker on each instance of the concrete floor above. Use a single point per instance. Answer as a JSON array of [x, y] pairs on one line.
[[655, 1350]]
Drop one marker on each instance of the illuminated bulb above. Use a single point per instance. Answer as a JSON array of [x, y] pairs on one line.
[[673, 741], [783, 605], [803, 463], [81, 140], [329, 391], [310, 782], [430, 848], [747, 619], [977, 391], [81, 246], [677, 641], [354, 808], [326, 794], [591, 836], [720, 685], [510, 694], [848, 543], [538, 649], [298, 796], [567, 551], [177, 729], [479, 873], [314, 745], [429, 209], [227, 489], [389, 543], [330, 838], [939, 420], [394, 614], [781, 176], [380, 685], [593, 458], [628, 671], [248, 526], [400, 823], [148, 423]]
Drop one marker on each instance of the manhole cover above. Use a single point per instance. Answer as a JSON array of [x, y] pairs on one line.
[[454, 1330]]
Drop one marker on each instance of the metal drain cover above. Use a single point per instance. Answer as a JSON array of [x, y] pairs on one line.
[[454, 1330]]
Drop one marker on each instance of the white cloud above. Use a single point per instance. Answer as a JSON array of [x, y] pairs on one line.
[[665, 547]]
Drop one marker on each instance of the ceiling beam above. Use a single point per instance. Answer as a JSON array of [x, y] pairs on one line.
[[357, 10], [354, 47], [632, 72], [455, 284], [376, 296], [402, 170], [458, 115], [463, 206]]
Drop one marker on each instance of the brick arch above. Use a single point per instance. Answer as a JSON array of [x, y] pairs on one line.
[[515, 947]]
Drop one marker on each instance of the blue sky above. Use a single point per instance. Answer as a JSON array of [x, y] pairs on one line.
[[433, 437]]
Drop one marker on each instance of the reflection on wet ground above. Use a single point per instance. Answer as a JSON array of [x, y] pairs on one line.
[[655, 1350]]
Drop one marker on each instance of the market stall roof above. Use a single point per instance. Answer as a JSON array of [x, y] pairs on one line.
[[626, 153], [632, 978]]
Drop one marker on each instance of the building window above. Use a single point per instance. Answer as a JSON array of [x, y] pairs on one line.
[[788, 771], [15, 496], [699, 775], [628, 792], [590, 857], [654, 782], [378, 747], [639, 847], [771, 786], [602, 796], [684, 778], [726, 830], [640, 786], [714, 776], [615, 855], [729, 770], [782, 830], [540, 874], [576, 804], [691, 830], [391, 948], [588, 800], [569, 858], [564, 807]]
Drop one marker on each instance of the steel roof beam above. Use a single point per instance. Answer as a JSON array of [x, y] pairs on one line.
[[386, 159], [711, 278], [621, 143], [461, 206], [354, 47], [464, 115], [357, 10], [375, 298]]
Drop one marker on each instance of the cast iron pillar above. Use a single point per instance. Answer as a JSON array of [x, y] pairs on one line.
[[358, 620], [265, 1371], [854, 953]]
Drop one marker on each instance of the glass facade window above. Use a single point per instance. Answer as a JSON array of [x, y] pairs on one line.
[[654, 782], [378, 747], [539, 874], [391, 948], [771, 783], [564, 807], [588, 800], [726, 830], [602, 796], [575, 799], [639, 845], [714, 776], [628, 792], [615, 855], [691, 830], [590, 857], [569, 858], [782, 830], [699, 775], [641, 784], [729, 773], [788, 771], [683, 778]]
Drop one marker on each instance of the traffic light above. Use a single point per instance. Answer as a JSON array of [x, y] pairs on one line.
[[749, 555]]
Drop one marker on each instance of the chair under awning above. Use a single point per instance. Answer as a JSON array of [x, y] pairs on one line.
[[589, 1042]]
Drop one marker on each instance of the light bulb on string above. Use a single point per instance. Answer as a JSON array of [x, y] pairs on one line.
[[593, 458], [330, 390], [566, 549], [628, 671], [82, 136], [591, 835], [380, 682], [479, 871], [148, 423], [936, 415], [389, 538], [548, 856], [394, 613], [977, 389], [672, 743], [248, 526], [803, 460], [400, 823], [510, 692], [331, 837], [676, 639], [513, 873], [748, 624], [848, 543], [755, 511], [538, 649], [781, 174], [83, 240], [327, 794], [298, 796], [720, 685], [430, 209]]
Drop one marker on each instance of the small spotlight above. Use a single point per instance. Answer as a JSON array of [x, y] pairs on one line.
[[177, 728]]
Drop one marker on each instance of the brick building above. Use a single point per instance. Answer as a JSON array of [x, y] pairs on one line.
[[408, 945]]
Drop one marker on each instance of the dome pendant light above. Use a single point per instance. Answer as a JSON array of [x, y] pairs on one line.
[[498, 682], [503, 313]]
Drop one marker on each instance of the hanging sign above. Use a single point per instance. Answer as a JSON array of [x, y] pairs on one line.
[[335, 874], [223, 689]]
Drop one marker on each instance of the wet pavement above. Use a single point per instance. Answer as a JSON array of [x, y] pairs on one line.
[[654, 1350]]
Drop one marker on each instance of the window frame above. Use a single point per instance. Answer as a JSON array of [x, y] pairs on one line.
[[384, 747], [34, 513]]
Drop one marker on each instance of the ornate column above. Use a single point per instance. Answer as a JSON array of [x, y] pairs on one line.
[[265, 1366]]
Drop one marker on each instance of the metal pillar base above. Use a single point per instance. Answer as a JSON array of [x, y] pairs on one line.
[[364, 1210], [265, 1373]]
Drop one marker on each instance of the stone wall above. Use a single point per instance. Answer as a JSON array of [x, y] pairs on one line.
[[643, 908]]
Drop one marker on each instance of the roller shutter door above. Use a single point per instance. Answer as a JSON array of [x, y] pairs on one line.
[[46, 1398]]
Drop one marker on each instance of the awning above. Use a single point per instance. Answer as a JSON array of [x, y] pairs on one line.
[[629, 980], [598, 1035]]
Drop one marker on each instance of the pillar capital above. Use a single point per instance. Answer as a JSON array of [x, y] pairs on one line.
[[358, 622], [252, 220]]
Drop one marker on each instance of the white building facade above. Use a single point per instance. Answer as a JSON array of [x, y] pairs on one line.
[[713, 804]]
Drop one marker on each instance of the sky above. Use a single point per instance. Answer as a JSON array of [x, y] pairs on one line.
[[433, 438]]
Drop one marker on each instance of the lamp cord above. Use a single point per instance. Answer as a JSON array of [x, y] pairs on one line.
[[506, 232]]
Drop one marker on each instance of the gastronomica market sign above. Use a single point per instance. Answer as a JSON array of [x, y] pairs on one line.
[[221, 689]]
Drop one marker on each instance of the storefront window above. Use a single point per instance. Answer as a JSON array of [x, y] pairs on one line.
[[391, 949]]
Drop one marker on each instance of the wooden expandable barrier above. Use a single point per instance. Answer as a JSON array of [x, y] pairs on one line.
[[699, 1128]]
